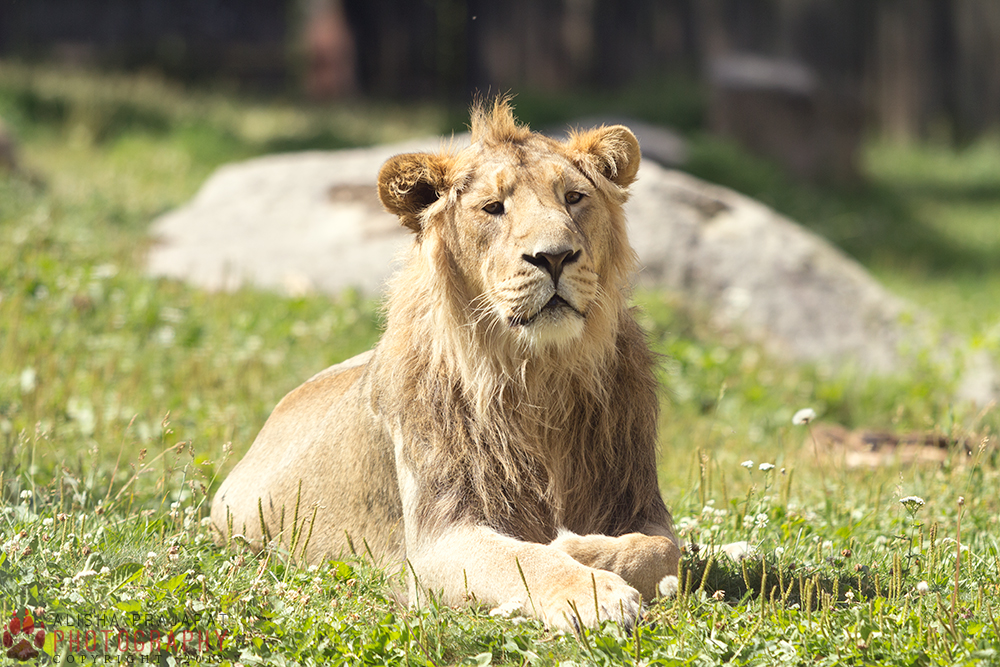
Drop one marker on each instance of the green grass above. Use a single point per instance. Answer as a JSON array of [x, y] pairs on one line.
[[123, 399]]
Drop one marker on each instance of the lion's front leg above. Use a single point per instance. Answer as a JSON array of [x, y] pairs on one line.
[[477, 563], [649, 563]]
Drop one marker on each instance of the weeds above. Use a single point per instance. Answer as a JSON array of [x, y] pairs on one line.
[[123, 400]]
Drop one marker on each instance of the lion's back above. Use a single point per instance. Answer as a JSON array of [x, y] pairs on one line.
[[321, 451]]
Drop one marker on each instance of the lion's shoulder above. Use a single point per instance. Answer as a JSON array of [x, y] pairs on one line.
[[357, 361]]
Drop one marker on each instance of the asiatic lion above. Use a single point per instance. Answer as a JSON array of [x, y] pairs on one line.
[[500, 438]]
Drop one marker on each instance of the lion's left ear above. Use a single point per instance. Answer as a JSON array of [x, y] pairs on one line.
[[612, 152], [409, 183]]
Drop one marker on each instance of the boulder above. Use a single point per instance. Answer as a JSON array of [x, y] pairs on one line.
[[297, 222], [311, 221], [756, 271]]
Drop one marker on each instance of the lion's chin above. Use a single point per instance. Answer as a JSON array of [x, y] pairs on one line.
[[557, 324], [545, 333]]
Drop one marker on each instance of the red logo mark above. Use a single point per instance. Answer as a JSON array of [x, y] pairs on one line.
[[23, 637]]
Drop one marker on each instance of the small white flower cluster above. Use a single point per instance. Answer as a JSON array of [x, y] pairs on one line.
[[12, 546], [85, 572], [803, 416], [912, 504], [763, 467], [759, 520], [710, 520]]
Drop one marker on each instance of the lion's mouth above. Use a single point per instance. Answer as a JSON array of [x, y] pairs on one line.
[[553, 306]]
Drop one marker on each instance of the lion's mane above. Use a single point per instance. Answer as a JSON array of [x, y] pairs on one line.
[[521, 439]]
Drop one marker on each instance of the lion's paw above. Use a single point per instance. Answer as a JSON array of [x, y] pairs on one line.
[[668, 586], [591, 599]]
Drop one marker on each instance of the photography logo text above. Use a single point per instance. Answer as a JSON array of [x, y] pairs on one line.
[[97, 641]]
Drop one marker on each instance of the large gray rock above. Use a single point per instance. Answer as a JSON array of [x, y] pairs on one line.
[[312, 221], [757, 271], [297, 222]]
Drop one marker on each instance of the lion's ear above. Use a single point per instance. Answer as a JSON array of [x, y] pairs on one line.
[[611, 152], [409, 183]]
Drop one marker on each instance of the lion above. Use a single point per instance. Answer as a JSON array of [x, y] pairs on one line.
[[499, 442]]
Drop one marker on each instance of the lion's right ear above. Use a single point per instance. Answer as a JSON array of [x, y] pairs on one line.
[[409, 183], [612, 152]]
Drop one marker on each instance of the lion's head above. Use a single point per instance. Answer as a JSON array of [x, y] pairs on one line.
[[523, 232]]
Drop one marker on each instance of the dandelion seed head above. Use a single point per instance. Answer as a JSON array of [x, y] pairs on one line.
[[803, 416]]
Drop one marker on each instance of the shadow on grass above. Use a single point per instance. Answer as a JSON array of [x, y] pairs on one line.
[[874, 222], [788, 584]]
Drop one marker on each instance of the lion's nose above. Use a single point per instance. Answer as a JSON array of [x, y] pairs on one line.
[[553, 260]]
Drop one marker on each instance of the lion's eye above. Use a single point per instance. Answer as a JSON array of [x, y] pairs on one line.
[[573, 197], [494, 208]]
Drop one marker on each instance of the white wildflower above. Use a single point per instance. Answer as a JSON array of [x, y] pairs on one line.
[[26, 494], [912, 503], [766, 467], [748, 464], [28, 380], [803, 416], [104, 271]]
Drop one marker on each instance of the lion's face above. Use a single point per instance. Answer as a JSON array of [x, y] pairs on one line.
[[524, 234], [527, 231]]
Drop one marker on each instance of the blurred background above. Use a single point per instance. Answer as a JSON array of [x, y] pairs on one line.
[[909, 69]]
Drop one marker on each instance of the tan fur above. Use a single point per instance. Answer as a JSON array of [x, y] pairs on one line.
[[501, 437]]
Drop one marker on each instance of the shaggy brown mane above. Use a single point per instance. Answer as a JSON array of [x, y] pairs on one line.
[[502, 430]]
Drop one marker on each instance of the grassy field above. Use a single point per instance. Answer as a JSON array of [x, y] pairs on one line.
[[123, 399]]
